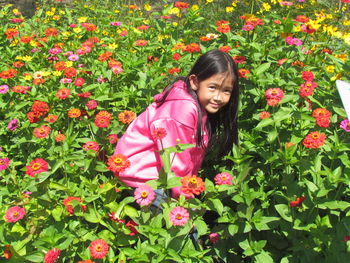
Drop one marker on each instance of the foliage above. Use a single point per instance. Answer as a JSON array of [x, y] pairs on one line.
[[288, 202]]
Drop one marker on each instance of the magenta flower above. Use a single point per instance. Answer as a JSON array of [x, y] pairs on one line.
[[179, 216], [214, 237], [52, 255], [144, 195], [3, 89], [293, 41], [14, 213], [73, 57], [4, 163], [91, 104], [223, 178], [13, 124], [117, 23], [91, 146], [345, 125]]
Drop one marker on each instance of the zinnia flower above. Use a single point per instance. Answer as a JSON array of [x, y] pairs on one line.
[[4, 163], [52, 255], [314, 140], [214, 237], [91, 146], [126, 116], [14, 213], [91, 104], [192, 185], [74, 113], [13, 124], [113, 138], [179, 216], [345, 125], [68, 204], [4, 89], [144, 195], [42, 132], [297, 202], [118, 163], [159, 133], [223, 178], [264, 115], [99, 248], [63, 93], [37, 166]]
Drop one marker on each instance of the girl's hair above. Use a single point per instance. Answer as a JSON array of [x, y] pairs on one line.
[[222, 125]]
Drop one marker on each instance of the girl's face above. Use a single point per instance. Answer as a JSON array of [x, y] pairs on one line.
[[214, 92]]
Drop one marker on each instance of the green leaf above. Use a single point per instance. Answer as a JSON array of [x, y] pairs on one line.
[[263, 123], [342, 205], [262, 68], [216, 205], [201, 226], [57, 213], [131, 211], [263, 257], [35, 257], [284, 212]]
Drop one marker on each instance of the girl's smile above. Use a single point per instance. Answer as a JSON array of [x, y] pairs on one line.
[[214, 92]]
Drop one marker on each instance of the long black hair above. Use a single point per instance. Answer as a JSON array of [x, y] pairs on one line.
[[222, 125]]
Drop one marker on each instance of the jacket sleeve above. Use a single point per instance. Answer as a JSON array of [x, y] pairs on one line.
[[183, 163]]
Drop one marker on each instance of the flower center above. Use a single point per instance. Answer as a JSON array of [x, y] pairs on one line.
[[178, 216], [15, 214], [193, 182], [36, 166], [98, 248], [315, 136], [2, 162], [223, 177], [144, 194], [118, 160]]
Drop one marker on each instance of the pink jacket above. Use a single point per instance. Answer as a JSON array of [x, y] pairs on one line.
[[178, 115]]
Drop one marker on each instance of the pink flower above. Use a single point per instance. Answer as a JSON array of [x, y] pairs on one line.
[[14, 213], [91, 146], [274, 93], [37, 166], [113, 138], [117, 23], [73, 57], [293, 41], [214, 237], [91, 104], [144, 195], [4, 163], [223, 178], [248, 27], [4, 89], [286, 3], [179, 216], [345, 125], [99, 248], [13, 124], [52, 255], [159, 133]]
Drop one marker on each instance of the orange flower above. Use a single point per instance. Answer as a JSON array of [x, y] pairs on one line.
[[141, 42], [126, 116], [51, 32], [193, 47], [223, 28], [70, 72], [60, 65], [264, 115], [7, 74], [105, 56], [11, 33], [192, 185], [74, 113], [314, 140], [63, 93], [102, 122], [51, 118], [243, 73], [89, 26], [118, 163], [68, 204], [60, 137], [181, 5]]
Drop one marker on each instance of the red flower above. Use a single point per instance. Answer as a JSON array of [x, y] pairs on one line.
[[105, 56], [60, 65], [264, 115], [89, 26], [307, 76], [11, 33], [314, 140], [51, 32], [302, 19], [37, 166], [223, 28], [141, 42], [51, 118], [52, 255], [181, 5], [60, 137], [225, 49], [113, 138], [42, 132], [68, 204], [118, 163], [7, 252], [8, 74], [221, 22], [63, 93], [306, 91], [91, 146], [172, 71], [99, 248], [79, 82], [159, 133], [70, 72], [297, 202], [239, 59], [192, 185], [176, 56], [214, 237], [192, 48], [131, 226], [243, 73]]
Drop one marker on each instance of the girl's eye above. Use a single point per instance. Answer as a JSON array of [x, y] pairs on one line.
[[212, 87], [228, 91]]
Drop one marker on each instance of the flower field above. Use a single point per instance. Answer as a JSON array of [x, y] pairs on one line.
[[75, 75]]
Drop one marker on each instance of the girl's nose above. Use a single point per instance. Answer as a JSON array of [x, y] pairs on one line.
[[217, 96]]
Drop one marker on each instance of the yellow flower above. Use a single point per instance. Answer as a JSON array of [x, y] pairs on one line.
[[338, 76], [229, 9], [57, 73], [195, 7], [82, 19], [33, 43], [15, 11], [14, 43], [105, 33], [27, 58], [266, 6], [330, 68], [346, 22], [297, 28], [62, 12], [69, 64], [137, 31], [209, 1], [175, 24], [147, 7], [49, 13], [77, 30], [65, 34], [112, 46], [116, 11], [234, 4], [342, 57], [174, 11], [347, 39], [53, 9], [28, 77]]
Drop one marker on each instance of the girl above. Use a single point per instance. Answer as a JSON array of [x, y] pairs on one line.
[[199, 109]]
